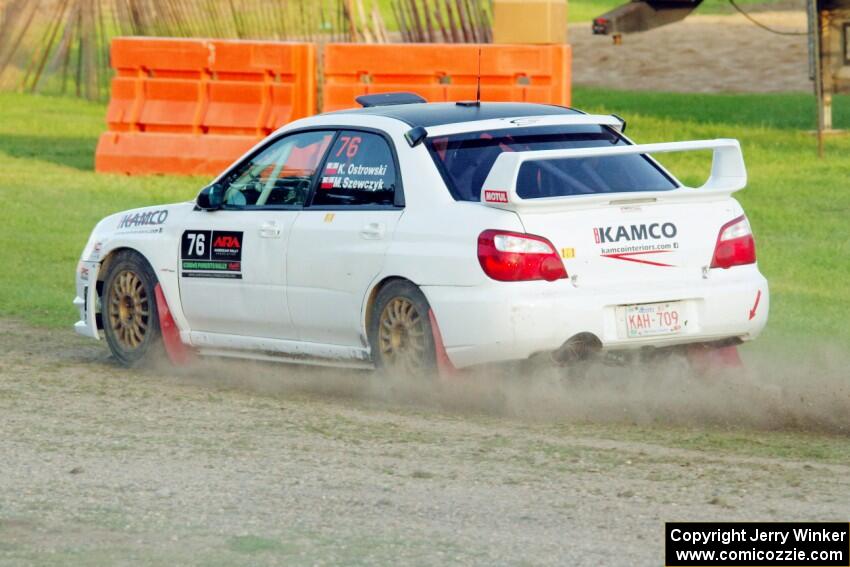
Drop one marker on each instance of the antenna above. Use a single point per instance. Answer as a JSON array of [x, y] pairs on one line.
[[478, 90]]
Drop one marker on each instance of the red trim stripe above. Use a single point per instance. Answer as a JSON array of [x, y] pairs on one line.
[[627, 256]]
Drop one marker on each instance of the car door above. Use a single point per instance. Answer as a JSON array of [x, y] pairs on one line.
[[339, 241], [233, 260]]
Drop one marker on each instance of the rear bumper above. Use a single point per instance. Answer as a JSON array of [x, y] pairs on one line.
[[512, 321]]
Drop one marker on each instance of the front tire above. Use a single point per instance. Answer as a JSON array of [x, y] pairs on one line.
[[400, 331], [130, 316]]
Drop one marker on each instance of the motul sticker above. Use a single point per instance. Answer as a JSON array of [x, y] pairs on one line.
[[495, 196], [211, 254]]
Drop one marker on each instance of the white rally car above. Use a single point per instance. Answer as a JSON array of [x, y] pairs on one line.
[[410, 236]]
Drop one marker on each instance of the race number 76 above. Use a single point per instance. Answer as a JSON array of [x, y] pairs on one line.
[[350, 145], [197, 243]]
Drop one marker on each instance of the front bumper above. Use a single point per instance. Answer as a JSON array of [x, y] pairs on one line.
[[86, 300], [512, 321]]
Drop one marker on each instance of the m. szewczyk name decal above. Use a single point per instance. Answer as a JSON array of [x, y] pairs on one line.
[[211, 254]]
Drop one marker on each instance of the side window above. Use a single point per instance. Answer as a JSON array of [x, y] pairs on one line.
[[281, 174], [359, 171]]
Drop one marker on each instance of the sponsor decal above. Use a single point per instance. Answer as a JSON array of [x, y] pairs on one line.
[[568, 253], [226, 245], [492, 196], [84, 275], [143, 219], [96, 250], [213, 275], [211, 254], [655, 231], [212, 266], [755, 306], [329, 217], [637, 253]]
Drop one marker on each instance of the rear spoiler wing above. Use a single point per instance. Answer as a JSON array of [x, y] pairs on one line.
[[728, 174]]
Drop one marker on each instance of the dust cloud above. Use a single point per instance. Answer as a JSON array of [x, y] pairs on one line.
[[797, 388]]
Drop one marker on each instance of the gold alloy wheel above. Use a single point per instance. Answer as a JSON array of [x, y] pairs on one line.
[[129, 309], [401, 336]]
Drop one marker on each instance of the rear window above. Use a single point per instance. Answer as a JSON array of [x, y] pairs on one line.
[[465, 161]]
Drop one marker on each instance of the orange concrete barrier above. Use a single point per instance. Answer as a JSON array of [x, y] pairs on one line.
[[447, 72], [192, 106]]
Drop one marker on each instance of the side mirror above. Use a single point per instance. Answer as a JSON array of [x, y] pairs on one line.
[[211, 197]]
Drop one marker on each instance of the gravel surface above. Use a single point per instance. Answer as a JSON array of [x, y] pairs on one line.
[[698, 54], [234, 463]]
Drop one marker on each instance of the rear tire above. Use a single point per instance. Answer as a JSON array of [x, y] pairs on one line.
[[130, 315], [400, 331]]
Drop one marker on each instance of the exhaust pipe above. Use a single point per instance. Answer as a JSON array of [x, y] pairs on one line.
[[578, 348]]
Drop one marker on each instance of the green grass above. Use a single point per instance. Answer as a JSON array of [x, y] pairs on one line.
[[798, 204], [51, 200]]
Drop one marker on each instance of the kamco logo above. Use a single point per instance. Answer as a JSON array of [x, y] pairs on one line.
[[226, 242], [151, 218], [634, 232]]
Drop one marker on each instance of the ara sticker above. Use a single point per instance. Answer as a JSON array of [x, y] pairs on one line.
[[211, 254], [568, 253], [329, 217]]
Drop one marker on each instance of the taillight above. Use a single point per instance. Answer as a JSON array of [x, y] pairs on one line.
[[735, 245], [515, 256]]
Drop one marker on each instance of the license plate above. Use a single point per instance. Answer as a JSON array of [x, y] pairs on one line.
[[653, 319]]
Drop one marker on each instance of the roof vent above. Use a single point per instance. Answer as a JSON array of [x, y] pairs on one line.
[[389, 99]]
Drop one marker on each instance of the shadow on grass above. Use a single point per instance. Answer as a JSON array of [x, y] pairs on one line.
[[76, 152]]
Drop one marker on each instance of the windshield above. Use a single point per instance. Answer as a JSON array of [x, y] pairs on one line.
[[465, 160]]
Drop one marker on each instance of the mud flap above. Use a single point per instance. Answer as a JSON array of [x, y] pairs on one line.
[[445, 368], [178, 353]]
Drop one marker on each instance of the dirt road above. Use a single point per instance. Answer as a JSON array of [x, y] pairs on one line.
[[242, 464], [698, 54]]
